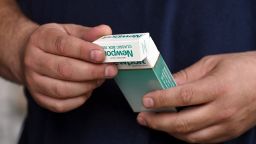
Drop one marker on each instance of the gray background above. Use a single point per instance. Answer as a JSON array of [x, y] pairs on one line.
[[12, 111]]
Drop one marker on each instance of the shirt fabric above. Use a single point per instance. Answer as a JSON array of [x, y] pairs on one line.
[[184, 31]]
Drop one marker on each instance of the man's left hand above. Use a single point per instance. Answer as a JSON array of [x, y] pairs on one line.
[[219, 93]]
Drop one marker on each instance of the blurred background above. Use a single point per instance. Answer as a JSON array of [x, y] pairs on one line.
[[12, 111]]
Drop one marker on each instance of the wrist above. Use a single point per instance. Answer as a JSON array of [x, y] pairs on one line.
[[24, 29], [12, 58]]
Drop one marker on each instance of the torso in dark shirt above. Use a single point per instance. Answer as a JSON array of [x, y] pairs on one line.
[[184, 32]]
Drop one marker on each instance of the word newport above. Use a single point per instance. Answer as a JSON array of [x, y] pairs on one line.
[[121, 50]]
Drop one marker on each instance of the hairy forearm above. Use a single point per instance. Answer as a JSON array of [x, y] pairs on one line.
[[15, 30]]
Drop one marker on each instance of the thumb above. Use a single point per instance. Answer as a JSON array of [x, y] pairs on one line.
[[196, 71], [87, 33], [97, 32]]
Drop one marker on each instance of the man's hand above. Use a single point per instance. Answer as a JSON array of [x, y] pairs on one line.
[[220, 92], [63, 66]]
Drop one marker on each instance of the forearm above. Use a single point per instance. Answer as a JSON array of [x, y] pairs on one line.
[[15, 30]]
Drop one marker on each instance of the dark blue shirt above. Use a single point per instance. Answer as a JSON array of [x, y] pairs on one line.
[[183, 30]]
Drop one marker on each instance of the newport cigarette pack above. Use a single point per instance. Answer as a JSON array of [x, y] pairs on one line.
[[141, 67]]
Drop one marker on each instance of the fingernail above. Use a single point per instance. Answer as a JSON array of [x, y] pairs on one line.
[[148, 102], [97, 55], [110, 71], [141, 120]]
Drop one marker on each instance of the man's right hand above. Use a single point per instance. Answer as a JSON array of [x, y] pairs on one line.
[[62, 66]]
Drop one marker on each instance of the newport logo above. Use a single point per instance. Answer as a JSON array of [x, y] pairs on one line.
[[133, 63], [127, 53]]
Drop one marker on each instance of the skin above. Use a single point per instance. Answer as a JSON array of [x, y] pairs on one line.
[[220, 96], [58, 63], [63, 66]]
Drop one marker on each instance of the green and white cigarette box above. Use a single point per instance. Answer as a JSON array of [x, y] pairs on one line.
[[141, 67]]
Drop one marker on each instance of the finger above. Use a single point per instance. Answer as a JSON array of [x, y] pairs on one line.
[[214, 134], [87, 33], [196, 71], [198, 92], [186, 121], [57, 42], [60, 106], [60, 89], [64, 68]]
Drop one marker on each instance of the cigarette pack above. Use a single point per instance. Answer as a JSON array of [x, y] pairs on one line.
[[142, 69]]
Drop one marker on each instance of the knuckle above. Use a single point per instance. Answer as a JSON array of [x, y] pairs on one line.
[[64, 71], [186, 94], [184, 74], [46, 27], [50, 25], [59, 44], [207, 59], [208, 62], [182, 126]]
